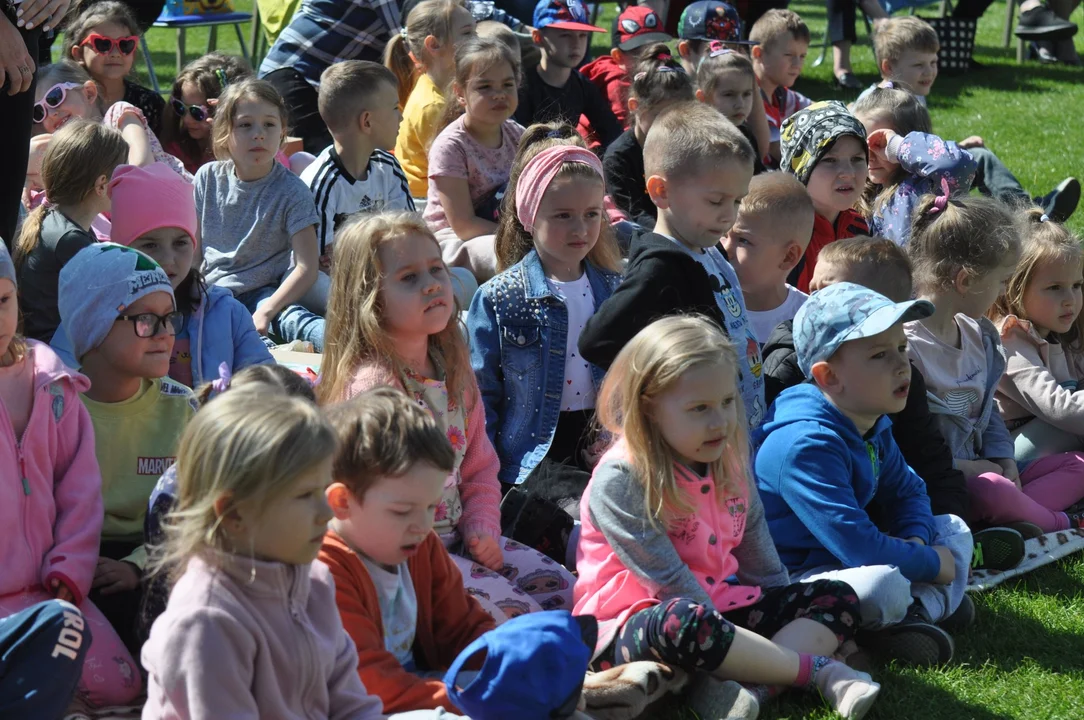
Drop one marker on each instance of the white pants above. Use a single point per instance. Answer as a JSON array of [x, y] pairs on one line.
[[884, 594]]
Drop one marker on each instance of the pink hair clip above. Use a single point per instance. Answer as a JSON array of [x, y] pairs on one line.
[[941, 201]]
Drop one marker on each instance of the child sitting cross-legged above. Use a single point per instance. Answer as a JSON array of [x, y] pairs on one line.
[[399, 593], [675, 559], [825, 452], [392, 320], [698, 167], [120, 318], [824, 146], [767, 241], [357, 172]]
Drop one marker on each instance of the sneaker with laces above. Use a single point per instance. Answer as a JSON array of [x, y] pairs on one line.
[[1060, 203], [997, 548]]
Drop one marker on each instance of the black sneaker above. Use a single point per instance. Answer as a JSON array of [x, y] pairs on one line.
[[1029, 531], [848, 81], [963, 618], [914, 642], [1041, 23], [1060, 203], [997, 549]]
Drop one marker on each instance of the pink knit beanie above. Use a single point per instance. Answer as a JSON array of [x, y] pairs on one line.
[[149, 198]]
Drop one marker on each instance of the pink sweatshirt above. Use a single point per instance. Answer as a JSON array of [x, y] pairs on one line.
[[50, 486], [1040, 380], [479, 488], [243, 638]]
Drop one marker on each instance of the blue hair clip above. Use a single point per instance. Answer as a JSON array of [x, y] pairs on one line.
[[223, 81]]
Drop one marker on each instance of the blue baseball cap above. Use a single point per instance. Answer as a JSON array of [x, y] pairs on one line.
[[843, 312], [711, 20], [563, 15], [534, 668]]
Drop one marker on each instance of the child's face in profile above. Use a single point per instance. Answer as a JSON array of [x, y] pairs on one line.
[[698, 414], [758, 248], [915, 70], [733, 95], [780, 62], [702, 206], [133, 356], [172, 248], [415, 287], [880, 170], [564, 48], [78, 102], [873, 375], [291, 528], [111, 65], [394, 517], [385, 116], [839, 179], [9, 316]]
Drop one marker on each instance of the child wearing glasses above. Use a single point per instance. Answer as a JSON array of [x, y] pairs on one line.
[[154, 211], [120, 318], [103, 38], [65, 90]]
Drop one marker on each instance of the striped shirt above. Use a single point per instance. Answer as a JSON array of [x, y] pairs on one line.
[[338, 194], [324, 32]]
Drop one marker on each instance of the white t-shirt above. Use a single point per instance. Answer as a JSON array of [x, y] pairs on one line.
[[398, 609], [338, 194], [764, 321], [578, 391]]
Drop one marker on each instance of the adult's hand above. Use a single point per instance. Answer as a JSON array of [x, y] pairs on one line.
[[46, 13], [16, 64]]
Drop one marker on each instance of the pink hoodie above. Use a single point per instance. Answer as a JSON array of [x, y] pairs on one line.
[[50, 486]]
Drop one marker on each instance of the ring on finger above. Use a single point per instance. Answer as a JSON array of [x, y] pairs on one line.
[[24, 69]]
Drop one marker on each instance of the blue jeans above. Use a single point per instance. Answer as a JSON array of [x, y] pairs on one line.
[[41, 659], [992, 178], [293, 322]]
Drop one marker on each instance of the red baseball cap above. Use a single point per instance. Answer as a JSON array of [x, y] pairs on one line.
[[637, 26], [563, 15]]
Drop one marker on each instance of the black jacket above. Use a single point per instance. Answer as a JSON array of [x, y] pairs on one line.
[[625, 181], [661, 279], [912, 428]]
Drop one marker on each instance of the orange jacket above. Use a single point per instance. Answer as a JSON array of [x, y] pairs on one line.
[[448, 620], [849, 224]]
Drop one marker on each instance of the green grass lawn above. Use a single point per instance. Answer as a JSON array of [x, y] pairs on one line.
[[1024, 658]]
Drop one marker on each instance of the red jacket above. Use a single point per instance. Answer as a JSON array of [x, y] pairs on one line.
[[848, 224], [448, 620], [609, 77]]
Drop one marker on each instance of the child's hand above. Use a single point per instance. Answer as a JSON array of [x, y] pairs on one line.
[[325, 261], [38, 145], [878, 143], [115, 576], [60, 591], [947, 572], [971, 142], [1009, 470], [593, 452], [486, 551], [261, 321]]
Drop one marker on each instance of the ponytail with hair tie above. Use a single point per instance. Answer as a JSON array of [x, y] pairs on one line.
[[941, 201]]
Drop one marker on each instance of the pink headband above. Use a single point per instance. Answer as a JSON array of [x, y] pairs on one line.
[[539, 173]]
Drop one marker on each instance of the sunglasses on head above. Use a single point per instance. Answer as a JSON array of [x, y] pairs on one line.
[[199, 113], [54, 97], [104, 45]]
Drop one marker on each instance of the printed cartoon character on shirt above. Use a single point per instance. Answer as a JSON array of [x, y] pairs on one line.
[[752, 354]]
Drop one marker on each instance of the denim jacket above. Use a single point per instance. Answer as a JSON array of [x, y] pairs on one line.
[[518, 332]]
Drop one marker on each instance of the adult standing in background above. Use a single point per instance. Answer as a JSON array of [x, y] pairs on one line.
[[21, 26], [321, 33]]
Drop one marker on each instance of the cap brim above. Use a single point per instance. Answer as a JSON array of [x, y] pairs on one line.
[[726, 42], [640, 40], [565, 25], [889, 316]]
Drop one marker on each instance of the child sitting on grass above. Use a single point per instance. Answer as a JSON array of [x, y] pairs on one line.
[[824, 146], [769, 237], [825, 452], [782, 41], [401, 597]]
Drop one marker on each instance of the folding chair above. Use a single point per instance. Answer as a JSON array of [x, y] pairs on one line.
[[181, 23]]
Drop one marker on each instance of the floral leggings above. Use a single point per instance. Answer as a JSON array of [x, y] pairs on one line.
[[693, 637]]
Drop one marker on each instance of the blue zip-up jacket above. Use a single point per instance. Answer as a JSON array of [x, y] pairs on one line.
[[816, 475], [518, 332], [220, 331]]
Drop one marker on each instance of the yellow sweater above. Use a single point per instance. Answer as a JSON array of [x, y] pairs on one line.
[[136, 441], [421, 122]]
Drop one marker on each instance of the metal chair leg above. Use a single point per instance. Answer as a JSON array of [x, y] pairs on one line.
[[180, 49], [149, 63], [241, 40], [1010, 11]]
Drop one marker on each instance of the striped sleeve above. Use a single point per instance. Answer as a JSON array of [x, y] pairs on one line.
[[322, 187], [397, 187]]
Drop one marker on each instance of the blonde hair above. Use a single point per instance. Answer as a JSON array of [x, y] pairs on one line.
[[226, 111], [691, 137], [248, 445], [277, 379], [347, 89], [1044, 242], [383, 433], [973, 233], [646, 368], [780, 196], [405, 55], [775, 24], [873, 262], [898, 35], [513, 242], [355, 314], [78, 155]]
